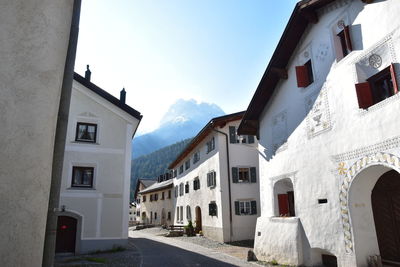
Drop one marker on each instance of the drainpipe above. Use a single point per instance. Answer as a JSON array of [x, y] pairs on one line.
[[229, 182], [60, 138]]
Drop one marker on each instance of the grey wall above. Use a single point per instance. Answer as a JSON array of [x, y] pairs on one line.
[[33, 44]]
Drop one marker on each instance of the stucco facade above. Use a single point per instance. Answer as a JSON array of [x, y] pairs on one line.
[[96, 171], [33, 51], [156, 204], [317, 142], [214, 206]]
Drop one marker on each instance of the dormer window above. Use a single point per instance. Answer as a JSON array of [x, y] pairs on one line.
[[304, 74], [377, 88], [86, 132]]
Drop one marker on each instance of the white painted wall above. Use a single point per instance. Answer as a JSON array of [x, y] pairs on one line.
[[105, 207], [152, 207], [312, 154], [219, 227], [33, 49]]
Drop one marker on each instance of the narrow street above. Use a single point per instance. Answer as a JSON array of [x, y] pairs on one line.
[[158, 250]]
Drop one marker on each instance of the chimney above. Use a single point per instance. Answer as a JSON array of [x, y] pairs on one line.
[[122, 96], [88, 73]]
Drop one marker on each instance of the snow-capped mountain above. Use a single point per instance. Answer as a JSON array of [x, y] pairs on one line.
[[184, 119]]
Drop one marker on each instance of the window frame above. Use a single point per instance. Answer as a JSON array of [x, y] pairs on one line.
[[212, 209], [187, 164], [305, 74], [212, 179], [87, 124], [196, 183], [76, 168], [196, 157]]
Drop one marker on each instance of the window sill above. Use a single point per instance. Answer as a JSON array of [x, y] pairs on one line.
[[81, 188], [85, 143], [379, 105]]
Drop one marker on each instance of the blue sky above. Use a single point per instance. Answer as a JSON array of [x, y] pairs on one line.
[[161, 50]]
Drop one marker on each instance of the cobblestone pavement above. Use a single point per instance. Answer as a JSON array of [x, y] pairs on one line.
[[127, 258], [224, 253]]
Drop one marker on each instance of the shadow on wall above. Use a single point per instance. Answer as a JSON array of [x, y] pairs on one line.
[[159, 254], [314, 110]]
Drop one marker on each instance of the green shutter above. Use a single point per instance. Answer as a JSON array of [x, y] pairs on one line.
[[253, 207], [232, 134], [253, 175], [237, 211], [251, 139], [235, 175]]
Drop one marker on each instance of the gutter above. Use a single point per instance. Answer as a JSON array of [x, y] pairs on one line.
[[229, 181], [60, 139]]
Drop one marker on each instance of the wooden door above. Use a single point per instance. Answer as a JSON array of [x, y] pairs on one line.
[[66, 234], [386, 208], [198, 219]]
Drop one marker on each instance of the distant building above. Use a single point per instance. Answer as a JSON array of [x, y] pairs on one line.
[[94, 199], [216, 185], [156, 203], [141, 184], [325, 112], [132, 213]]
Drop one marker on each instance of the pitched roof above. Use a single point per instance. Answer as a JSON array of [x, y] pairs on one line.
[[145, 182], [218, 121], [157, 187], [112, 99], [303, 14]]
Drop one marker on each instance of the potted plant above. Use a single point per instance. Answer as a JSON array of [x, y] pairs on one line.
[[189, 229]]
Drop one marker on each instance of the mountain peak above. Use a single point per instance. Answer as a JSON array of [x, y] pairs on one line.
[[190, 110]]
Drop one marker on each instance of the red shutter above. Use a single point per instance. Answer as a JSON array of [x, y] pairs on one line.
[[394, 79], [348, 38], [302, 76], [283, 204], [364, 95]]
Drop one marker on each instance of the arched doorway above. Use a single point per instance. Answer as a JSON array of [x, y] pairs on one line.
[[66, 234], [284, 198], [198, 219], [386, 210]]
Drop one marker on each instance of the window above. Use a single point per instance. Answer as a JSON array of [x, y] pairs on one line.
[[176, 191], [155, 196], [211, 179], [187, 164], [181, 211], [181, 189], [345, 41], [196, 157], [169, 216], [196, 183], [169, 193], [181, 169], [138, 200], [155, 215], [174, 173], [187, 187], [162, 195], [212, 208], [144, 198], [82, 177], [247, 139], [304, 74], [233, 137], [244, 175], [188, 213], [377, 87], [211, 145], [177, 214], [86, 132], [245, 207], [151, 197]]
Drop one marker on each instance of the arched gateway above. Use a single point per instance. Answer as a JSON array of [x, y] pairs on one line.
[[370, 208]]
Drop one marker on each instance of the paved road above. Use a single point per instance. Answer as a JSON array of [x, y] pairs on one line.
[[168, 252]]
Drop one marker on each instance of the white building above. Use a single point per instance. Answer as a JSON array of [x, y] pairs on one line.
[[216, 185], [94, 200], [325, 114], [156, 202], [141, 184]]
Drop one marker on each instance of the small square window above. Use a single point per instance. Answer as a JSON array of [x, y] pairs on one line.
[[82, 177], [212, 208], [86, 132], [244, 175]]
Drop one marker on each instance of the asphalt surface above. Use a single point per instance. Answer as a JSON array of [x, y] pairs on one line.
[[154, 253]]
